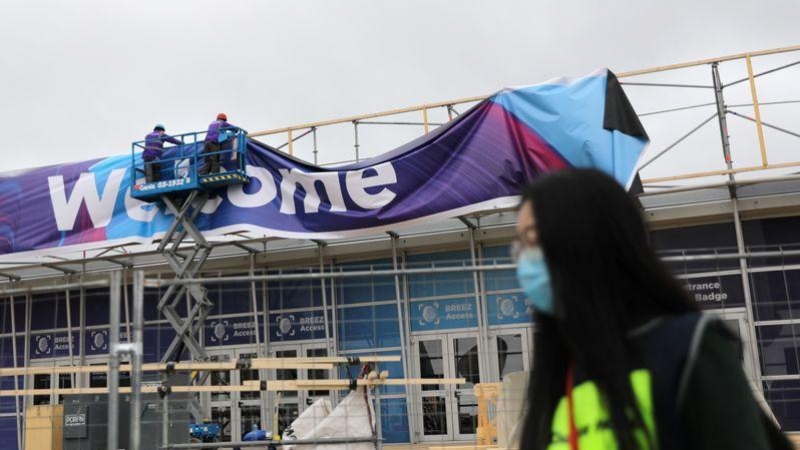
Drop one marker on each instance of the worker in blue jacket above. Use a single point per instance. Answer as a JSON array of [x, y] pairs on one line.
[[219, 137], [153, 149]]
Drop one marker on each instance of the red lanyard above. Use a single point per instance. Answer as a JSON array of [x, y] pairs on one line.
[[573, 430]]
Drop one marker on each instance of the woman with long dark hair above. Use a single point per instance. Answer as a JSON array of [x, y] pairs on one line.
[[623, 359]]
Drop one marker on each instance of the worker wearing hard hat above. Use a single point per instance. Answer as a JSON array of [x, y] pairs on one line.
[[153, 149], [220, 136]]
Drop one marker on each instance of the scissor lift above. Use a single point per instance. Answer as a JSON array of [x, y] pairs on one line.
[[184, 190]]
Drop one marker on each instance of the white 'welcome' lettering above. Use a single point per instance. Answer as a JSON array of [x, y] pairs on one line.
[[100, 208]]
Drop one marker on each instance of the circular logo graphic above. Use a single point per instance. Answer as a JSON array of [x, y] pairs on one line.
[[428, 313], [219, 330], [42, 344], [99, 340], [285, 325], [507, 307]]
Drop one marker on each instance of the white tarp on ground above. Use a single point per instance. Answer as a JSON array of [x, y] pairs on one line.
[[310, 418], [352, 418]]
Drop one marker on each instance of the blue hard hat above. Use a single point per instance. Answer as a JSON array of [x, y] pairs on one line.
[[159, 127]]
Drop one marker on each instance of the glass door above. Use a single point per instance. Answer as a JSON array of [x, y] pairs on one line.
[[465, 364], [293, 403], [249, 403], [222, 401], [510, 352], [447, 412], [430, 359]]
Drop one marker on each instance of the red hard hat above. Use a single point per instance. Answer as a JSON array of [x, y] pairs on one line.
[[222, 116]]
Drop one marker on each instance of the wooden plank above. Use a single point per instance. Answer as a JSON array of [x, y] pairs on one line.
[[256, 363], [368, 116], [127, 390], [301, 385], [703, 62]]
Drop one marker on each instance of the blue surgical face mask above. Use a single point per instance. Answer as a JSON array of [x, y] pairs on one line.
[[534, 278]]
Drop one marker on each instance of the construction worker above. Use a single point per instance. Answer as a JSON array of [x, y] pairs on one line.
[[153, 149], [219, 137]]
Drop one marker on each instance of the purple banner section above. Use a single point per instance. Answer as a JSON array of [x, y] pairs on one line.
[[478, 162]]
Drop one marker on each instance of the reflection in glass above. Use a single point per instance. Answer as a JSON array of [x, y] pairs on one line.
[[431, 362], [41, 381], [248, 375], [434, 416], [465, 352], [222, 416], [220, 378], [467, 414], [509, 354], [317, 374]]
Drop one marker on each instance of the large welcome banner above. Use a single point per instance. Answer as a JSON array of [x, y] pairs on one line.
[[478, 162]]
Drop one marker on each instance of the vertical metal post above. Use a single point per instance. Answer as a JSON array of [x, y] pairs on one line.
[[27, 354], [355, 130], [334, 330], [328, 342], [260, 352], [126, 305], [493, 371], [314, 135], [290, 142], [165, 413], [425, 119], [334, 315], [378, 420], [82, 332], [722, 117], [69, 338], [136, 360], [16, 378], [404, 344], [450, 112], [748, 300], [416, 391], [482, 323], [113, 363], [757, 111]]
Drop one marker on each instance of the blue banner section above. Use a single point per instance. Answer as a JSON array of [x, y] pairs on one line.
[[297, 326], [231, 331], [443, 314]]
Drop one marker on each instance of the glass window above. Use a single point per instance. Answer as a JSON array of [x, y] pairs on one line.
[[368, 327], [697, 240], [292, 294], [776, 295], [509, 354], [431, 362], [41, 381], [784, 400], [429, 285], [365, 289], [778, 345], [394, 415]]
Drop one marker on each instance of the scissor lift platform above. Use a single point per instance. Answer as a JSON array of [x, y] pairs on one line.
[[180, 166]]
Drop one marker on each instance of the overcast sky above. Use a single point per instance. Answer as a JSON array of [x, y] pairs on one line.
[[82, 79]]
